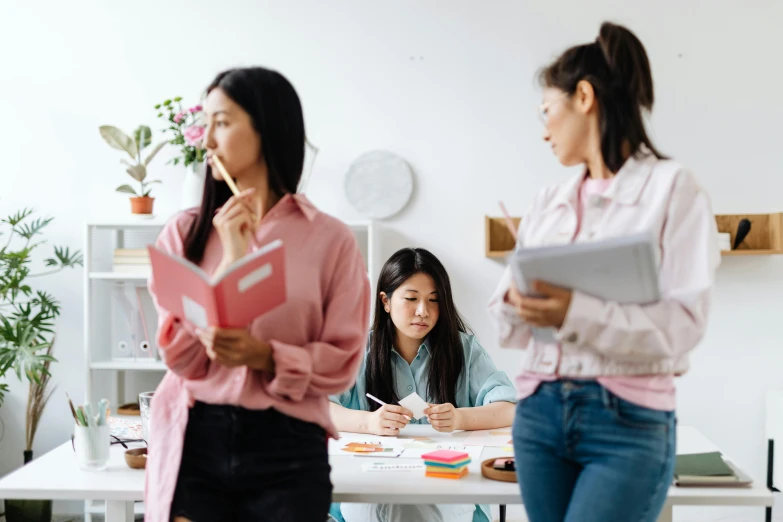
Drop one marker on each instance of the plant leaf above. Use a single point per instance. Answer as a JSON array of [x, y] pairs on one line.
[[127, 189], [143, 137], [137, 172], [15, 219], [118, 140], [154, 152], [28, 230], [65, 259]]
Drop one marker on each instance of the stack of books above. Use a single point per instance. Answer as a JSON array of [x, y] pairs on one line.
[[131, 260], [446, 464], [707, 469]]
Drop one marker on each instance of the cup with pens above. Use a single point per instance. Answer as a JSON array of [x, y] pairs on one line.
[[91, 435]]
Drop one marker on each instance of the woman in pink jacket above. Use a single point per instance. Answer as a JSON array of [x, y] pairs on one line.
[[594, 433], [240, 421]]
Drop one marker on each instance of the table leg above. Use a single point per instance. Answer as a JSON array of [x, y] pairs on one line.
[[502, 513], [667, 515], [119, 511]]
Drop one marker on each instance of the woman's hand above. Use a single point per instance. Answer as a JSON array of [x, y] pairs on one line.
[[235, 226], [444, 417], [550, 309], [234, 347], [388, 420]]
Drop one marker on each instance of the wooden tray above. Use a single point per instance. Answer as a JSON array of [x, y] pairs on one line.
[[490, 472]]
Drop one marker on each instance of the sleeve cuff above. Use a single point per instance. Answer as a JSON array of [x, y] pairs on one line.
[[500, 394], [509, 314], [293, 370], [580, 313]]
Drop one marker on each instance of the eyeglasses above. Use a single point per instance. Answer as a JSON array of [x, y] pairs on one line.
[[543, 109]]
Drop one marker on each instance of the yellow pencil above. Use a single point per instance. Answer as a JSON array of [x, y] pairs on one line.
[[230, 181]]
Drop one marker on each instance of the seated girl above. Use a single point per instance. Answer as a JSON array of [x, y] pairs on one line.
[[419, 343]]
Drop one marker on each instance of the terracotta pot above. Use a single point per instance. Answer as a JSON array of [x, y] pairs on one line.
[[142, 205]]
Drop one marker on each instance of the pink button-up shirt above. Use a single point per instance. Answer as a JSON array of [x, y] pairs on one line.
[[317, 338]]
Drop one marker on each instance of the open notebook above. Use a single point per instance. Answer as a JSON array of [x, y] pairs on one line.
[[248, 288]]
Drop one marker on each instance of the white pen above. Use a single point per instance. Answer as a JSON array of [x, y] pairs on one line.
[[376, 399]]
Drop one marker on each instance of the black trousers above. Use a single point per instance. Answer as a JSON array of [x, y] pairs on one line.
[[248, 465]]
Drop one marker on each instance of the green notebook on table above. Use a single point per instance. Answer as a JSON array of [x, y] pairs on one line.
[[706, 469]]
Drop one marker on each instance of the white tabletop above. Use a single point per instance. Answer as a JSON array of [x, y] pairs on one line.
[[56, 476]]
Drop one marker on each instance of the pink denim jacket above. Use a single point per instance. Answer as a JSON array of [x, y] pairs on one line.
[[601, 338]]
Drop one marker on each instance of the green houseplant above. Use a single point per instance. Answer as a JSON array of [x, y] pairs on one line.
[[27, 318], [141, 202]]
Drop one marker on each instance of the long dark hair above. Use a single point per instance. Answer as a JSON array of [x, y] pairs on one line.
[[445, 345], [617, 67], [274, 108]]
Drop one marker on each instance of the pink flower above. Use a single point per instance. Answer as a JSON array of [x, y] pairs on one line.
[[178, 117], [193, 135], [196, 108]]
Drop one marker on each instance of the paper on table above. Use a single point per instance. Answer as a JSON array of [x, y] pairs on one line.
[[413, 452], [394, 466], [348, 445], [415, 404], [497, 437], [378, 452]]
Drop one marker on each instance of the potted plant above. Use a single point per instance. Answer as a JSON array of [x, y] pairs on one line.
[[27, 319], [141, 202]]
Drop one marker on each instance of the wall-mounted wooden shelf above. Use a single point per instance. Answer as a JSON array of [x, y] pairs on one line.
[[765, 237], [498, 241]]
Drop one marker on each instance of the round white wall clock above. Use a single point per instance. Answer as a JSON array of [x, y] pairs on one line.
[[379, 184]]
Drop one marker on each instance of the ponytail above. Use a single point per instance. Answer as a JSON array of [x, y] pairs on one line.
[[617, 67]]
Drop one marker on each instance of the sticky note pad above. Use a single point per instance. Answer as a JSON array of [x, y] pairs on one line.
[[415, 404], [446, 456], [447, 475]]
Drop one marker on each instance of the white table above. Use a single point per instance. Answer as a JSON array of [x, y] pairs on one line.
[[56, 476]]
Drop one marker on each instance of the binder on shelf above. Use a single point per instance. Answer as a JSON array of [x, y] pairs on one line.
[[125, 324], [146, 347]]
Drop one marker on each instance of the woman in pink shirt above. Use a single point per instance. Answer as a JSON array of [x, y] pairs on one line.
[[240, 421], [594, 433]]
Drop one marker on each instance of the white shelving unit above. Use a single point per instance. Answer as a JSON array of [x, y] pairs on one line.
[[101, 310], [121, 378], [118, 379]]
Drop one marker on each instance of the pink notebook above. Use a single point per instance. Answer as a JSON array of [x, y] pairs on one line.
[[249, 288]]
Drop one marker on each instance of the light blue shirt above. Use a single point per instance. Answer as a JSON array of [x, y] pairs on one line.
[[479, 383]]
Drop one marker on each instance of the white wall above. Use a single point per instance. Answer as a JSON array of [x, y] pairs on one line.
[[447, 85]]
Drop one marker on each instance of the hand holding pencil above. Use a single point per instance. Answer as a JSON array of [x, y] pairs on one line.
[[389, 419], [235, 222], [230, 182]]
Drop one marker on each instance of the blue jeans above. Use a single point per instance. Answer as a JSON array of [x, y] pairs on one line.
[[586, 455]]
